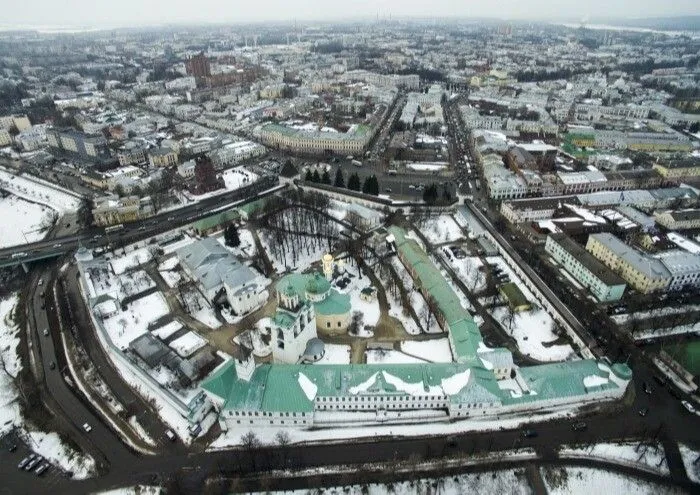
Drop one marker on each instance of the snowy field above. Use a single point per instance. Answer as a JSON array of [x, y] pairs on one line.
[[40, 193], [435, 351], [690, 456], [389, 356], [584, 481], [511, 482], [649, 457], [468, 269], [335, 354], [532, 329], [442, 229], [234, 178], [127, 325], [131, 259], [23, 221]]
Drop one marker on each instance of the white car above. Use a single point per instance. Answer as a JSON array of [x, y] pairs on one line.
[[87, 428], [689, 407]]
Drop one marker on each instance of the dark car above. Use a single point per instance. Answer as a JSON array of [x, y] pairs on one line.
[[529, 433], [580, 426], [644, 411], [646, 387]]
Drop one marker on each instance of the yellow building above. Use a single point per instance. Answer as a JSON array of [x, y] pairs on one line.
[[679, 169], [162, 157], [113, 211], [643, 273]]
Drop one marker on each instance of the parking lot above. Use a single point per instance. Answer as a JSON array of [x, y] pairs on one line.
[[14, 451]]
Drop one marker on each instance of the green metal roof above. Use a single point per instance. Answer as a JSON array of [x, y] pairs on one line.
[[463, 330], [335, 303]]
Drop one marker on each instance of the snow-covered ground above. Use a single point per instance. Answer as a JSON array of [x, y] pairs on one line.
[[417, 300], [335, 354], [370, 310], [10, 413], [237, 177], [389, 356], [254, 338], [469, 271], [199, 308], [306, 255], [533, 328], [691, 462], [48, 445], [131, 259], [435, 351], [23, 221], [442, 229], [33, 190], [127, 325], [584, 481], [396, 310], [650, 457], [496, 482], [246, 249]]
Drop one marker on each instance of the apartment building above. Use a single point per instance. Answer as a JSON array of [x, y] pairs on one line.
[[679, 169], [642, 272], [603, 283], [162, 157]]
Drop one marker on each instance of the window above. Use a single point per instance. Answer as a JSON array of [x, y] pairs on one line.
[[328, 324]]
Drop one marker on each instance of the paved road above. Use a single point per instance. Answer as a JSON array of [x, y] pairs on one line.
[[134, 231]]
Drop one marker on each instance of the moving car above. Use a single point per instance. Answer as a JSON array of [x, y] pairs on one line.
[[689, 407], [580, 426], [644, 411], [171, 435], [530, 433], [46, 332], [87, 427]]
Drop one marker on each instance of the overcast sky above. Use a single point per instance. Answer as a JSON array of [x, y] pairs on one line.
[[140, 12]]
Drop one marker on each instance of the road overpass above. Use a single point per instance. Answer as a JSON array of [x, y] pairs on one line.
[[134, 231]]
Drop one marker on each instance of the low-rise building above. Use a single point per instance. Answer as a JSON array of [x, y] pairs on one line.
[[162, 157], [112, 210], [679, 219], [220, 275], [603, 283], [679, 169], [93, 148]]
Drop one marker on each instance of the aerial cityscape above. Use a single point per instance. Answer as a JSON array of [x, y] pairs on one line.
[[377, 251]]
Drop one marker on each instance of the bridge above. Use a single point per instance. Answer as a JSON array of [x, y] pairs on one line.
[[23, 254]]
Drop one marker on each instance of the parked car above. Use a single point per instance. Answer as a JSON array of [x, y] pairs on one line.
[[171, 435], [87, 427], [24, 461], [530, 433], [42, 469], [644, 411], [646, 387], [46, 332]]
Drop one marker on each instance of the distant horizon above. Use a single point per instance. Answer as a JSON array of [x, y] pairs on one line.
[[157, 13], [86, 27]]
